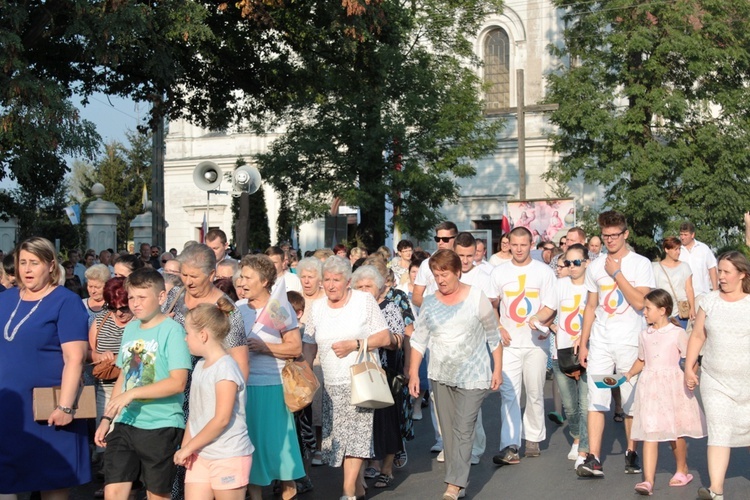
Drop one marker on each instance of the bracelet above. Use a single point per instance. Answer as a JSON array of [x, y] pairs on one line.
[[358, 344], [615, 273], [105, 417]]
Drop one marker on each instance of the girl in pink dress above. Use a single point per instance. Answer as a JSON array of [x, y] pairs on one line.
[[664, 409]]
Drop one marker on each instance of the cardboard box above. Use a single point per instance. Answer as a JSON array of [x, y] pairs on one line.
[[46, 400]]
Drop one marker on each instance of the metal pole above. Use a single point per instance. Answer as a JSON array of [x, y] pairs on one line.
[[521, 126], [158, 229]]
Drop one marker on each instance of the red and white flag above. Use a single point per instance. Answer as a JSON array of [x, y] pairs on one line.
[[505, 223], [204, 229]]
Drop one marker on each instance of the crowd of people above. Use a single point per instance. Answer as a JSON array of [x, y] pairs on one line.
[[188, 376]]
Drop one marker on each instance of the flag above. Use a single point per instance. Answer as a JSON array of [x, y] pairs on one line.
[[144, 198], [278, 314], [74, 214], [505, 223], [204, 228]]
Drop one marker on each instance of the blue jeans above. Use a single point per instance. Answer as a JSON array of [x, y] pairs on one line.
[[575, 401]]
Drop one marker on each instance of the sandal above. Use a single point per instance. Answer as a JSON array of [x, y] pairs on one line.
[[401, 458], [680, 479], [619, 417], [383, 481], [644, 488], [371, 472]]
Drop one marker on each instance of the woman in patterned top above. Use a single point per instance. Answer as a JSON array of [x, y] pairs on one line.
[[459, 324]]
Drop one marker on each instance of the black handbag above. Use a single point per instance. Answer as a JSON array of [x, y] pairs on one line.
[[567, 360]]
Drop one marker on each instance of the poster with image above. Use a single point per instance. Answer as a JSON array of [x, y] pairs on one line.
[[548, 220]]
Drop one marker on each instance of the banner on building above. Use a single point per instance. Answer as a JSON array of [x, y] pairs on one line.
[[548, 220]]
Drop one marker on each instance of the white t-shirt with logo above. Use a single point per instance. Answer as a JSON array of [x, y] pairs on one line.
[[616, 321], [523, 291], [571, 301]]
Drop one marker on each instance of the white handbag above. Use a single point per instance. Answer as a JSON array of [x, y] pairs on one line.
[[369, 384]]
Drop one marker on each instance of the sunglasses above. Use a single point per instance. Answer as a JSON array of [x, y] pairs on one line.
[[574, 263], [164, 261], [444, 239], [123, 309]]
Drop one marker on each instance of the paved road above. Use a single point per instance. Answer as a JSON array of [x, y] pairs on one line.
[[550, 476]]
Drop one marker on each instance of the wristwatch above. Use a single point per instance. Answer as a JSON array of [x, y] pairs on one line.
[[65, 409]]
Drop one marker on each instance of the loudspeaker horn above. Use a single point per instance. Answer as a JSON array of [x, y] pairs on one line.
[[245, 179], [207, 176]]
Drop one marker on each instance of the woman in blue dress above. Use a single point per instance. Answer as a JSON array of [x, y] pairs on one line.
[[44, 344]]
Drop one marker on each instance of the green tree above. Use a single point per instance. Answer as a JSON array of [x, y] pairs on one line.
[[390, 111], [123, 171], [655, 108]]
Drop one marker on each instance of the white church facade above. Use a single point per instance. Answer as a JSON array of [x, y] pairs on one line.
[[516, 39]]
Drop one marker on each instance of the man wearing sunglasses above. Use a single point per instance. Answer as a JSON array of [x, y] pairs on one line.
[[527, 291], [424, 283], [612, 321]]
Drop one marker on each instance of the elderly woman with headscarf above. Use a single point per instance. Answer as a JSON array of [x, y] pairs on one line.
[[335, 329]]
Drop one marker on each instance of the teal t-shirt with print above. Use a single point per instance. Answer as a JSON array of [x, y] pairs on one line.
[[147, 355]]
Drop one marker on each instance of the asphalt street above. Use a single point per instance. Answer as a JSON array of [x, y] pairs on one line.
[[548, 477]]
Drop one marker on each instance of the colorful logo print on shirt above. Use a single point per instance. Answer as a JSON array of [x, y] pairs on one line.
[[522, 306], [572, 315], [613, 301]]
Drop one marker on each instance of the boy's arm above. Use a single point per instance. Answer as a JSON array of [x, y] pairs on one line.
[[106, 422], [174, 384]]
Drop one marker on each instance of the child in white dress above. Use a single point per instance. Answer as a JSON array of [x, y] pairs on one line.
[[664, 409]]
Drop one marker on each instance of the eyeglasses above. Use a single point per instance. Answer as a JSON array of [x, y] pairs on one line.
[[574, 263], [613, 236], [548, 248], [444, 239], [122, 309]]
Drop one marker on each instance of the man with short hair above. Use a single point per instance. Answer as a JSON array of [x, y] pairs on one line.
[[702, 262], [292, 282], [480, 257], [595, 247], [573, 236], [424, 283], [226, 269], [79, 269], [145, 254], [527, 291], [612, 321], [216, 240], [155, 254], [163, 259]]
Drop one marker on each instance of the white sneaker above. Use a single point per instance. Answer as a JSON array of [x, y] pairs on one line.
[[437, 447], [573, 453], [441, 457], [579, 461], [474, 460]]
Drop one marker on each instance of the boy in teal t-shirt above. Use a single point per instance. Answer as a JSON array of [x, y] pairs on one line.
[[147, 398]]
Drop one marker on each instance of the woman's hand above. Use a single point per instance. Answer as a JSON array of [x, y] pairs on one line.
[[59, 418], [497, 380], [505, 336], [692, 314], [107, 357], [691, 379], [343, 348], [257, 345], [414, 385]]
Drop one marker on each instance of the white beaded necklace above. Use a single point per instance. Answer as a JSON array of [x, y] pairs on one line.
[[12, 335]]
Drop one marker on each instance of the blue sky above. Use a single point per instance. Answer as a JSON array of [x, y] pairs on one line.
[[113, 116]]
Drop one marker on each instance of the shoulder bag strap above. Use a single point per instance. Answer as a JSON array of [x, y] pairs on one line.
[[668, 281], [99, 329], [174, 302]]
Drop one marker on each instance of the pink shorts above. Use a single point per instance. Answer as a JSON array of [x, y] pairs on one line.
[[221, 474]]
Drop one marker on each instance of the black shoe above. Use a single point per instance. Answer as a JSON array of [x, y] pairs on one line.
[[631, 463], [592, 467], [507, 456]]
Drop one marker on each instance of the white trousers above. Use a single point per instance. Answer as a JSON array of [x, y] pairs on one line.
[[523, 368]]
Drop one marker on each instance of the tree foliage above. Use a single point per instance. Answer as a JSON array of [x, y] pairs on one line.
[[655, 108], [389, 112], [123, 171]]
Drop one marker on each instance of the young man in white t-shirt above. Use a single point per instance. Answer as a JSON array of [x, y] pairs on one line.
[[612, 320], [424, 284], [527, 292]]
